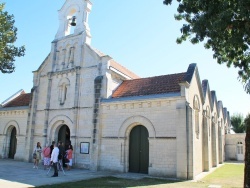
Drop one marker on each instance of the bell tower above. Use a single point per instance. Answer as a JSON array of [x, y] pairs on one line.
[[73, 19]]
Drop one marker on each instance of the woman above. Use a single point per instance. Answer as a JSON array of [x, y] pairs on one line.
[[46, 156], [37, 154], [69, 157]]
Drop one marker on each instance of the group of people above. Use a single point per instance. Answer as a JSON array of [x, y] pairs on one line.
[[52, 155]]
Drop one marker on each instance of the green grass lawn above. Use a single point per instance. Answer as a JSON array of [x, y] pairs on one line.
[[229, 175]]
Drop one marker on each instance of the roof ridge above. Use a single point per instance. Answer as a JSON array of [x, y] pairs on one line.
[[17, 102], [128, 72], [158, 76]]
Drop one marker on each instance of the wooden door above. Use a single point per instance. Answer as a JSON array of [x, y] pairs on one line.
[[139, 150], [13, 144]]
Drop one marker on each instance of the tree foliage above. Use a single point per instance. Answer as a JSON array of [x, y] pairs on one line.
[[223, 26], [8, 36], [237, 122], [247, 153]]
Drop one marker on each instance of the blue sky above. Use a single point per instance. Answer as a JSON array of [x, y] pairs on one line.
[[139, 34]]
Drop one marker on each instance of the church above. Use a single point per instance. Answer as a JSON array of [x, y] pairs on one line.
[[169, 125]]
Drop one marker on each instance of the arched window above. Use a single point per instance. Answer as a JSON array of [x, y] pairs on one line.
[[63, 90], [196, 106]]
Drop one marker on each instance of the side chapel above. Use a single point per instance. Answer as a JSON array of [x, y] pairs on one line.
[[169, 125]]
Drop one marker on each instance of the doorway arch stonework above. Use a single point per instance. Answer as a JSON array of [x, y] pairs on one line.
[[131, 122], [7, 132], [56, 123], [124, 133]]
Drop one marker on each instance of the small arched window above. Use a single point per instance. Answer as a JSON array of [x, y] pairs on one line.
[[196, 106], [63, 90]]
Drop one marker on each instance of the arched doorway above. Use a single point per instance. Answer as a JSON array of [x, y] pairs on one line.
[[138, 150], [64, 135], [13, 143]]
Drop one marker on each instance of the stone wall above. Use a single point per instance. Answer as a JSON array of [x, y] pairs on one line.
[[231, 145], [13, 118], [119, 118]]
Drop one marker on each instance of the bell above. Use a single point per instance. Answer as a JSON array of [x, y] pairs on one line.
[[73, 21]]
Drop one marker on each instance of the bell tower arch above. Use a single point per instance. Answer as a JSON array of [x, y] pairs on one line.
[[73, 19]]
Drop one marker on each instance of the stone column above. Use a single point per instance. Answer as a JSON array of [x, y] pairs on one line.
[[205, 148], [96, 133], [184, 148], [20, 149], [75, 130], [46, 119]]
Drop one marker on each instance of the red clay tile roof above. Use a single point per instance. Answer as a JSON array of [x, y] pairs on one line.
[[21, 100], [150, 86]]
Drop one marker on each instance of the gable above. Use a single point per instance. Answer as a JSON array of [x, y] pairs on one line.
[[44, 66], [113, 65], [195, 88], [214, 103], [207, 93]]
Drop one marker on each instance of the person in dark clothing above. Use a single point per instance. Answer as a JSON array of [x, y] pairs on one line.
[[61, 153], [52, 147], [54, 160]]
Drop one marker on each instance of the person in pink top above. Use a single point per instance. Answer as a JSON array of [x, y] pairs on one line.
[[46, 156], [69, 157]]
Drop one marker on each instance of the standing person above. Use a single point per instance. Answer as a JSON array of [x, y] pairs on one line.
[[61, 154], [37, 154], [54, 159], [46, 156], [69, 157], [52, 147]]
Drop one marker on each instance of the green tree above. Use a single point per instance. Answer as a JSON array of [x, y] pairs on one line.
[[247, 153], [223, 26], [237, 122], [8, 36]]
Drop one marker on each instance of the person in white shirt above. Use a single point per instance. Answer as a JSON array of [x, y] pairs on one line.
[[54, 159]]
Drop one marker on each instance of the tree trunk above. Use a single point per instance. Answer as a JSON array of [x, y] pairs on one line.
[[247, 153]]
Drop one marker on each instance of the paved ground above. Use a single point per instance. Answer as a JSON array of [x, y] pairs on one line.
[[16, 174]]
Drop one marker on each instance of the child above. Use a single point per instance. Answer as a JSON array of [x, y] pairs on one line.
[[69, 157], [37, 151], [46, 156]]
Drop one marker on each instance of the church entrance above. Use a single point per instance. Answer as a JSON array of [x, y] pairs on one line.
[[13, 143], [138, 150], [64, 135]]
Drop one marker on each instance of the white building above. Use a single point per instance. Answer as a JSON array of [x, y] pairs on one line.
[[170, 125]]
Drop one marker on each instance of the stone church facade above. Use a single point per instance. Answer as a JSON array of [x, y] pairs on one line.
[[170, 125]]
